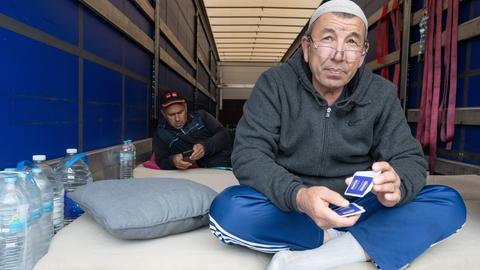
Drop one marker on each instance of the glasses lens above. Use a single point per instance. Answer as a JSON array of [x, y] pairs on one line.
[[325, 52], [352, 55]]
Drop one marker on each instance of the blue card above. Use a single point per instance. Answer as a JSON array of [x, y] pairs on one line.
[[350, 210], [361, 184]]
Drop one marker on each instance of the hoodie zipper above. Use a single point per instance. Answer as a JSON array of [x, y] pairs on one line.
[[327, 115], [324, 142]]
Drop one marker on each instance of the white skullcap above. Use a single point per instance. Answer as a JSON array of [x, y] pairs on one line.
[[345, 6]]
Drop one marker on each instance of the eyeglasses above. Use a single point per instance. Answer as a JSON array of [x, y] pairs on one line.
[[325, 50]]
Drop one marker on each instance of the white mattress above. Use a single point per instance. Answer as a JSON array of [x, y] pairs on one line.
[[85, 245]]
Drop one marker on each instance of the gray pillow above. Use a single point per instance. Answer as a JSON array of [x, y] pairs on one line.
[[146, 208]]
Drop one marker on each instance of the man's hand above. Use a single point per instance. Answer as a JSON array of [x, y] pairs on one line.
[[314, 202], [198, 152], [179, 163], [386, 185]]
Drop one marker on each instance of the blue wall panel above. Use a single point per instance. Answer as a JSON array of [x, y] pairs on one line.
[[463, 11], [179, 58], [474, 93], [472, 141], [137, 17], [460, 92], [137, 105], [59, 19], [137, 59], [134, 14], [38, 99], [202, 102], [101, 38], [102, 107], [475, 59], [203, 77], [476, 8], [170, 80], [461, 55], [457, 140]]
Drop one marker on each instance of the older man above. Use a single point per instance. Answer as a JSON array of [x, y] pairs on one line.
[[184, 138], [308, 126]]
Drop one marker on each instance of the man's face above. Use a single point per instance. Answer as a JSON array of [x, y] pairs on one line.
[[335, 51], [176, 115]]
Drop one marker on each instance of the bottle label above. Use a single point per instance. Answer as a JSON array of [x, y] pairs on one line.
[[36, 214], [18, 221], [48, 207], [71, 209], [126, 156]]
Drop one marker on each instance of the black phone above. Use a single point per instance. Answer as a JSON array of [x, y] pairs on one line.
[[186, 155]]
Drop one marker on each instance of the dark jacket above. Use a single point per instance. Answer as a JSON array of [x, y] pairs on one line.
[[289, 137], [202, 128]]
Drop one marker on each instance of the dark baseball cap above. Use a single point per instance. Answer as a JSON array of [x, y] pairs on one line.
[[171, 97]]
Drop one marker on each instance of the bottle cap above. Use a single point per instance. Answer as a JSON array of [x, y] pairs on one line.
[[71, 150], [39, 157]]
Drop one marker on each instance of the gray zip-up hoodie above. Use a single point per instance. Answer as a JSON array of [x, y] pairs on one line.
[[288, 137]]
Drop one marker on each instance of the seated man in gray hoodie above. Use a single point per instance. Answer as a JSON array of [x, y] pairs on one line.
[[307, 127]]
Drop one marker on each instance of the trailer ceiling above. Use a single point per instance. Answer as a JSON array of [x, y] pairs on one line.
[[257, 30]]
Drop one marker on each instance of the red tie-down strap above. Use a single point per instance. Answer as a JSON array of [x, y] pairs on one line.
[[447, 130], [395, 17], [431, 107], [382, 40], [426, 99], [436, 86]]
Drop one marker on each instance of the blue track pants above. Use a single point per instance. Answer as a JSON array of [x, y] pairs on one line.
[[392, 237]]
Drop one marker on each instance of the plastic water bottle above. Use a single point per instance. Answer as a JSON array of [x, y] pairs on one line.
[[58, 190], [73, 172], [13, 225], [46, 221], [34, 231], [134, 151], [127, 160]]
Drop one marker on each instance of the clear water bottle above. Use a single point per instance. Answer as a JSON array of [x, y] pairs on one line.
[[58, 190], [13, 224], [134, 151], [127, 160], [34, 232], [46, 221], [73, 172]]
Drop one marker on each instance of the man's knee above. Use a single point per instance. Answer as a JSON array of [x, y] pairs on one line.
[[449, 204], [241, 215], [232, 206]]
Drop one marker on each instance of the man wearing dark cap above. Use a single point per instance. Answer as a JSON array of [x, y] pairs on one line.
[[184, 138], [308, 126]]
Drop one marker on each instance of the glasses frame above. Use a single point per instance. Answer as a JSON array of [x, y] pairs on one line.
[[362, 52]]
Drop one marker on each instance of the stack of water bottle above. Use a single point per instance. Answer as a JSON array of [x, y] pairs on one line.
[[32, 206], [127, 159]]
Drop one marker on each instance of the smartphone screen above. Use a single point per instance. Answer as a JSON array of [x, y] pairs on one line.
[[186, 155]]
